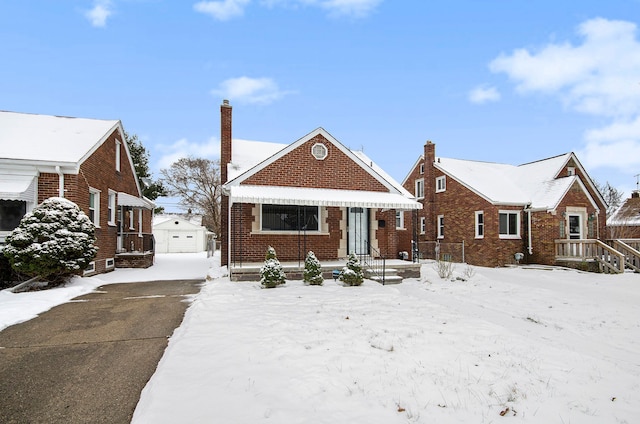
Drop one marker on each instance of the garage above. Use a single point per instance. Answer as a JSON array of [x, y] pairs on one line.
[[176, 234]]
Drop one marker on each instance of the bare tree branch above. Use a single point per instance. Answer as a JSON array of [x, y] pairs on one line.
[[196, 182]]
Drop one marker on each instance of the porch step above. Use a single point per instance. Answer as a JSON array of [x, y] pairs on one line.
[[390, 276]]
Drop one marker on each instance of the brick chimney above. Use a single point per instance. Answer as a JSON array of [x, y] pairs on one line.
[[225, 159], [428, 203], [225, 139]]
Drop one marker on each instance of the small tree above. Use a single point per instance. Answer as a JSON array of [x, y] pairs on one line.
[[312, 270], [352, 275], [53, 242], [271, 273]]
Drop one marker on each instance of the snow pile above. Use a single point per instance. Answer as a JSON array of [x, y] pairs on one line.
[[534, 345]]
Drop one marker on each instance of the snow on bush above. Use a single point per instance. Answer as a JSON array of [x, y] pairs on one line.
[[312, 270], [352, 275], [54, 241], [271, 273]]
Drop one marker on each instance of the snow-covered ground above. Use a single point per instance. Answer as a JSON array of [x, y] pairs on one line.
[[19, 307], [525, 345], [528, 345]]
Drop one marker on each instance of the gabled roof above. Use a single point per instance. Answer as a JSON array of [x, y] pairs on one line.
[[51, 139], [626, 215], [249, 157], [534, 184]]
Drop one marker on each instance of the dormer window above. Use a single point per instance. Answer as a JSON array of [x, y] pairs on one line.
[[319, 151]]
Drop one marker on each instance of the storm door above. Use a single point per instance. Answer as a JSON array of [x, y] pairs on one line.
[[358, 230], [575, 227]]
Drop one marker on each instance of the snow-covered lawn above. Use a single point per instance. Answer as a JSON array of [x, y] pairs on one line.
[[537, 346], [525, 345]]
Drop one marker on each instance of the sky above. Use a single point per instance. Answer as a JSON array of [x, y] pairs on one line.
[[509, 82]]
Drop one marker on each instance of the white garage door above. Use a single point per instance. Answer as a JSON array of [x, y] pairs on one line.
[[182, 241]]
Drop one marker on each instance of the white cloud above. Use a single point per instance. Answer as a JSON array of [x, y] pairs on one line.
[[599, 76], [227, 9], [184, 148], [483, 94], [101, 11], [222, 10], [250, 90], [354, 8]]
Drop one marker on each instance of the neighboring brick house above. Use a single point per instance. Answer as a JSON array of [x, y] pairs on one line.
[[314, 194], [494, 211], [624, 222], [86, 161]]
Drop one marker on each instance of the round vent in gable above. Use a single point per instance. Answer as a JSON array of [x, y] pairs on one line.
[[319, 151]]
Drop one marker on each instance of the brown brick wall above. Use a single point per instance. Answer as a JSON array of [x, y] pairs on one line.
[[251, 247], [299, 168]]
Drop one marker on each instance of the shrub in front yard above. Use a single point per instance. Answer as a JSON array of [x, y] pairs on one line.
[[312, 270], [53, 242], [352, 275], [271, 273]]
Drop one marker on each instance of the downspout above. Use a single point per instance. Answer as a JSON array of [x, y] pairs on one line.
[[60, 181], [229, 267], [530, 247]]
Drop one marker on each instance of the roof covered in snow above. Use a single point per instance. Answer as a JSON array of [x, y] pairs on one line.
[[248, 157], [534, 184], [628, 214], [54, 139]]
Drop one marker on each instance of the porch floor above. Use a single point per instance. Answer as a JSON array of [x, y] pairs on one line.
[[250, 271]]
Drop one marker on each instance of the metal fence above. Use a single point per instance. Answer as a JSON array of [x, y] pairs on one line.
[[437, 250]]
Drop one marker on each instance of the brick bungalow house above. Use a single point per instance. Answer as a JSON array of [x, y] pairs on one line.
[[549, 211], [624, 222], [85, 161], [314, 194]]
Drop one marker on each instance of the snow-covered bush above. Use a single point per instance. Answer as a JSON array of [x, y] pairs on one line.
[[53, 242], [352, 275], [271, 273], [312, 270]]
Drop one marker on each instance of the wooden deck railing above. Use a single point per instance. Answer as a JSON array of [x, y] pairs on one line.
[[609, 259], [631, 250]]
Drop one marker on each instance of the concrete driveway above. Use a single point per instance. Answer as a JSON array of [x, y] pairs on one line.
[[88, 360]]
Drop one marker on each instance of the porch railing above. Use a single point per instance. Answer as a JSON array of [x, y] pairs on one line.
[[609, 259], [374, 262], [631, 250], [137, 242]]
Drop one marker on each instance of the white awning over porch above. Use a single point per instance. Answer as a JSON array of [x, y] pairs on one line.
[[18, 187], [273, 195], [125, 199]]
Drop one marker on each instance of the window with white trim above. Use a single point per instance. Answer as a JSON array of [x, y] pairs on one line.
[[289, 218], [111, 208], [90, 268], [420, 188], [109, 263], [509, 224], [94, 206], [479, 224], [571, 170], [319, 151], [400, 220], [441, 184], [440, 226], [423, 225], [421, 168], [118, 144]]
